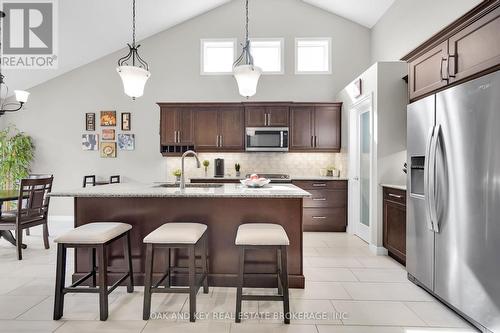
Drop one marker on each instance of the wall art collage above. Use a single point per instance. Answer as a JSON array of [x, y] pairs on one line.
[[109, 141]]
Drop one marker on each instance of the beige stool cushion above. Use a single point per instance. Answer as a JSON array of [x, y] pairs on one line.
[[94, 233], [261, 234], [176, 233]]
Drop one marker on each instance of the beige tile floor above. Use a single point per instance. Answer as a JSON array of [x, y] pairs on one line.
[[348, 289]]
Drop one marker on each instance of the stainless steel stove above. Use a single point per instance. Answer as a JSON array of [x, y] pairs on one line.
[[275, 177]]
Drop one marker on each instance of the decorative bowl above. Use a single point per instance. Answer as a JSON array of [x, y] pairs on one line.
[[255, 183]]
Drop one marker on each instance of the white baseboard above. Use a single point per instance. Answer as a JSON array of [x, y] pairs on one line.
[[378, 250]]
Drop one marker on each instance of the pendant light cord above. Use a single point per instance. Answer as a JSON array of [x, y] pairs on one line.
[[246, 27], [246, 56], [133, 23]]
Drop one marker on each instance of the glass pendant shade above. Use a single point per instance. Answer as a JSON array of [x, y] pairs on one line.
[[134, 79], [21, 96], [247, 77]]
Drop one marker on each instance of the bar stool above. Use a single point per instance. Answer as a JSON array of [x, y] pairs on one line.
[[177, 235], [260, 236], [97, 237]]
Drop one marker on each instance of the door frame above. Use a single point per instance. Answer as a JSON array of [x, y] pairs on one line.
[[354, 225]]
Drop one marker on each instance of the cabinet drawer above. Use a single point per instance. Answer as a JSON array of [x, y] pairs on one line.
[[320, 184], [326, 198], [324, 219], [395, 195]]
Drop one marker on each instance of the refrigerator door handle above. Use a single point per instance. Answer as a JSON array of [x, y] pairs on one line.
[[426, 179], [432, 179]]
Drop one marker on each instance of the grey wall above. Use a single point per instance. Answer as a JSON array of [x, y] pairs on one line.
[[408, 23], [55, 113]]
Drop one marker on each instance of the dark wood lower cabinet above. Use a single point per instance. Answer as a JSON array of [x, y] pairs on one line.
[[326, 210], [394, 213]]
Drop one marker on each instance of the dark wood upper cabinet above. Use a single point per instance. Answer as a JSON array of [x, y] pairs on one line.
[[231, 129], [316, 127], [466, 49], [206, 128], [302, 133], [475, 48], [327, 128], [176, 126], [429, 71], [266, 115]]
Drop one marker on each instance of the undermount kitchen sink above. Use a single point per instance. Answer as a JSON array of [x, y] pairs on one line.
[[201, 185]]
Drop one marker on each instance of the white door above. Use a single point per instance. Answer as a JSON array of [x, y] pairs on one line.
[[360, 168]]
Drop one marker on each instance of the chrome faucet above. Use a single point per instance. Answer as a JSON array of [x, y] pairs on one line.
[[198, 165]]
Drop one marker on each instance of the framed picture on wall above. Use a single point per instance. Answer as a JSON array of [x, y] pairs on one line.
[[90, 121], [108, 134], [126, 141], [108, 118], [90, 142], [126, 126], [108, 149]]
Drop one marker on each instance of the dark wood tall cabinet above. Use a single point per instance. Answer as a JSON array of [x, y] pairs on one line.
[[316, 127]]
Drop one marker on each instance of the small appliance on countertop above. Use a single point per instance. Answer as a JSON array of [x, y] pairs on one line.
[[219, 167], [274, 177]]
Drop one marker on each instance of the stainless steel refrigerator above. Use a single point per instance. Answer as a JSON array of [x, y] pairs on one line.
[[453, 213]]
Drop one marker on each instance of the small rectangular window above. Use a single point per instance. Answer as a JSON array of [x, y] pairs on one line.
[[313, 55], [217, 56], [268, 54]]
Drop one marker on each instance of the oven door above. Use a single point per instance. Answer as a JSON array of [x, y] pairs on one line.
[[266, 139]]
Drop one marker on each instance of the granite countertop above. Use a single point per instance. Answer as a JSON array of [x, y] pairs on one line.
[[154, 190], [398, 187], [292, 178]]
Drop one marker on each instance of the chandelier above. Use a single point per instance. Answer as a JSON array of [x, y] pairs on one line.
[[133, 70], [21, 96], [245, 72]]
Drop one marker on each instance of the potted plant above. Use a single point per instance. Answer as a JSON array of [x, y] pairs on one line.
[[177, 173], [237, 168], [16, 155], [206, 163]]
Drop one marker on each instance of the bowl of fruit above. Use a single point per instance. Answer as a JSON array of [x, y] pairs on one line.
[[255, 181]]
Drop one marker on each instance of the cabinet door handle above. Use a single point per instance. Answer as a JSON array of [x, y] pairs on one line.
[[221, 141], [217, 144], [441, 70], [319, 217], [175, 136], [178, 136], [319, 199], [395, 196], [315, 141], [319, 185], [312, 141], [268, 119], [454, 56]]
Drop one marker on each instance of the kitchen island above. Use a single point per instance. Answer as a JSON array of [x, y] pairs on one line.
[[222, 207]]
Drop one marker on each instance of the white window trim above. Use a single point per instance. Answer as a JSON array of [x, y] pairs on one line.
[[203, 40], [282, 53], [297, 72]]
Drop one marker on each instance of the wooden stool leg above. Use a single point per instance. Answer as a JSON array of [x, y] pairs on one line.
[[45, 235], [60, 280], [148, 276], [239, 288], [168, 280], [204, 263], [192, 284], [279, 269], [103, 282], [284, 278], [93, 267], [128, 259]]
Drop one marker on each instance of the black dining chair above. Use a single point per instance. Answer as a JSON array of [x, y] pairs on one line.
[[89, 180], [35, 176], [114, 179], [34, 194]]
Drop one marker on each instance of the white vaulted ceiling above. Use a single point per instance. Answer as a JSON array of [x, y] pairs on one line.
[[364, 12], [91, 29]]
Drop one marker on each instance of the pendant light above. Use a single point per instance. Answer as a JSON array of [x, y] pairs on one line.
[[245, 72], [21, 96], [134, 75]]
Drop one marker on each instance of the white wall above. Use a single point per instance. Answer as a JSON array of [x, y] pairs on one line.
[[55, 113], [408, 23], [383, 82]]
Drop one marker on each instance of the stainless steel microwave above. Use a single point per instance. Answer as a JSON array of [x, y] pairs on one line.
[[266, 139]]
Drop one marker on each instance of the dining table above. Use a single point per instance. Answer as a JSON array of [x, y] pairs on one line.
[[8, 195]]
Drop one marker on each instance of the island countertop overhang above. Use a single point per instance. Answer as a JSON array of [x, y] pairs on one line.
[[154, 190]]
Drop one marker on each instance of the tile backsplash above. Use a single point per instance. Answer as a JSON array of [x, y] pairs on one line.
[[295, 164]]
